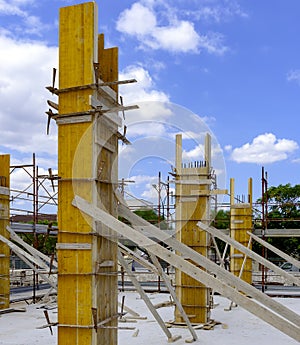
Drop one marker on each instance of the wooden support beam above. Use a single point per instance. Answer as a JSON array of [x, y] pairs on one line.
[[34, 252], [138, 258], [276, 319], [152, 231], [174, 296], [31, 261], [245, 258], [156, 267], [130, 311], [146, 299], [275, 250], [217, 233]]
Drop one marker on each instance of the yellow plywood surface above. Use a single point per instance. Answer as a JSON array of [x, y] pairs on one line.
[[76, 44], [189, 210], [240, 224], [85, 169], [4, 222], [108, 62]]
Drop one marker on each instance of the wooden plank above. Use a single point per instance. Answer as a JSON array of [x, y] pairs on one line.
[[73, 119], [278, 232], [290, 328], [217, 233], [30, 261], [194, 182], [138, 258], [275, 250], [145, 298], [156, 267], [218, 191], [4, 190], [202, 261], [73, 246], [130, 311], [36, 253], [12, 310], [178, 161], [173, 294]]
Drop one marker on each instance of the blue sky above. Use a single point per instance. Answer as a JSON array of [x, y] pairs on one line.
[[234, 64]]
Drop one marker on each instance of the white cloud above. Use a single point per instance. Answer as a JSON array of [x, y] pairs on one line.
[[213, 43], [147, 128], [138, 20], [29, 24], [25, 70], [195, 154], [218, 13], [265, 148], [151, 102], [145, 183], [10, 9], [144, 89], [294, 75], [178, 36], [150, 193]]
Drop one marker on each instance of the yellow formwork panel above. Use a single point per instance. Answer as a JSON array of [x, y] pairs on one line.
[[77, 30], [240, 224], [108, 63], [107, 167], [4, 222], [190, 209], [82, 285]]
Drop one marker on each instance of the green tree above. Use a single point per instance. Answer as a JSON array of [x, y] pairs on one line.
[[46, 242], [221, 221], [284, 213], [152, 217]]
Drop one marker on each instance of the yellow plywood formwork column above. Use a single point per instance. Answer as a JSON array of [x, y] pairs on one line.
[[87, 150], [240, 224], [4, 222], [192, 204]]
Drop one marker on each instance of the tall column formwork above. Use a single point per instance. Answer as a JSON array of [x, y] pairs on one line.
[[192, 205], [87, 167], [4, 222], [240, 224]]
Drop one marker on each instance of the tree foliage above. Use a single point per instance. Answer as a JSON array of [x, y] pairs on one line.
[[221, 221], [151, 216], [46, 242], [284, 213]]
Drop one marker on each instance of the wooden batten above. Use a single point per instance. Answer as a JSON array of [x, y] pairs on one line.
[[221, 280]]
